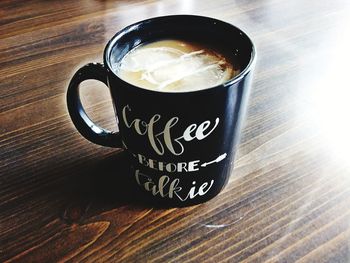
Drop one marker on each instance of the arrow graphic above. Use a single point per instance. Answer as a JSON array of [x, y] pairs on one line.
[[219, 159]]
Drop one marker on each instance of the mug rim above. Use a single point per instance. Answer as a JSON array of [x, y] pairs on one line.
[[247, 69]]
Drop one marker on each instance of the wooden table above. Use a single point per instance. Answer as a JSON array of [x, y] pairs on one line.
[[288, 198]]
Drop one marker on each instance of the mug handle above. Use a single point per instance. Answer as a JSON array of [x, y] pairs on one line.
[[80, 119]]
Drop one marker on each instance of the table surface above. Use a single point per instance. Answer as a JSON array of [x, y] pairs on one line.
[[288, 198]]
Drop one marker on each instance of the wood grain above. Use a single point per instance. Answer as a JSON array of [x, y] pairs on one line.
[[288, 198]]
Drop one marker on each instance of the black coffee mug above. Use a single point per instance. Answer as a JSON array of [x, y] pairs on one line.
[[181, 144]]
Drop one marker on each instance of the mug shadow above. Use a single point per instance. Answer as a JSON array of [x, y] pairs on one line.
[[105, 185]]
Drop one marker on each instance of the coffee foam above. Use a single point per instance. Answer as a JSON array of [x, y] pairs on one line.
[[174, 65]]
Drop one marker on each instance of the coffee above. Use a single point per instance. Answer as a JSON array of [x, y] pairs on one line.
[[175, 66]]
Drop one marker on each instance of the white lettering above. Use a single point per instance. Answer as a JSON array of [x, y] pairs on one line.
[[164, 139], [165, 188], [192, 166], [187, 133], [154, 141]]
